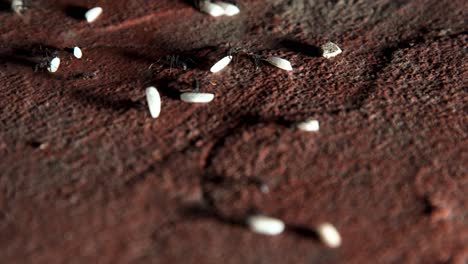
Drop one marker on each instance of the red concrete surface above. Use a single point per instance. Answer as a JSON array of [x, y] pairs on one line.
[[87, 176]]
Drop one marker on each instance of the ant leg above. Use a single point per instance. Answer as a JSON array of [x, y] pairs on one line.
[[177, 63], [171, 64], [262, 186], [257, 63], [196, 3], [190, 60], [196, 85]]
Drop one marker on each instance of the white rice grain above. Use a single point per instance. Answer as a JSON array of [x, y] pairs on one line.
[[328, 235], [18, 6], [92, 14], [229, 8], [280, 63], [194, 97], [211, 8], [310, 125], [265, 225], [154, 101], [221, 64], [77, 52], [54, 64]]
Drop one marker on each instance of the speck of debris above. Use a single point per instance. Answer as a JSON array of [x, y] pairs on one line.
[[330, 50], [264, 188], [438, 209], [83, 76], [39, 145]]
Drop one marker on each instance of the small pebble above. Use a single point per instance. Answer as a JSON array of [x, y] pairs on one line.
[[229, 8], [43, 146], [265, 225], [330, 50], [54, 64], [221, 64], [154, 101], [280, 63], [92, 14], [264, 188], [194, 97], [211, 8], [328, 235], [310, 125]]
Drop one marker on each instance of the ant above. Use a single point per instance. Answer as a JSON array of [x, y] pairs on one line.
[[45, 61], [176, 61], [246, 51]]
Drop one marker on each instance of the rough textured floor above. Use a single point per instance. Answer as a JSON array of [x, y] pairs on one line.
[[88, 177]]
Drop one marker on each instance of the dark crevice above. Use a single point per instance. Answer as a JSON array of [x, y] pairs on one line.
[[383, 59], [209, 177], [201, 211], [196, 211], [5, 6], [35, 143], [166, 90], [115, 104], [302, 48], [76, 12], [242, 122]]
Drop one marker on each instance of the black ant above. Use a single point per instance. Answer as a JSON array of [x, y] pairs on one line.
[[245, 51], [176, 61], [45, 61]]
